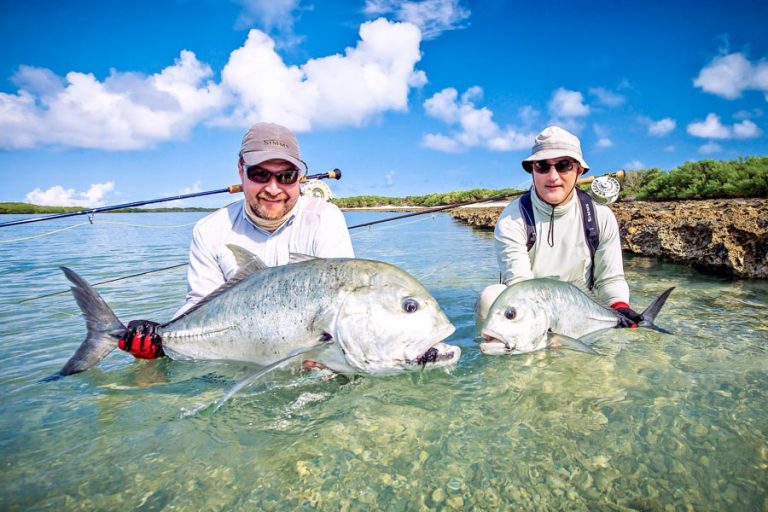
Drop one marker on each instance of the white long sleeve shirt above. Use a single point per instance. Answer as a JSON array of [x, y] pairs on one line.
[[316, 228], [568, 258]]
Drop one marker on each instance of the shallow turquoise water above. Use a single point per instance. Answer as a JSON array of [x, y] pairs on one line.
[[660, 423]]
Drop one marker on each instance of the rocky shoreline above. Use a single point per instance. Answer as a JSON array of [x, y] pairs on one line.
[[719, 236]]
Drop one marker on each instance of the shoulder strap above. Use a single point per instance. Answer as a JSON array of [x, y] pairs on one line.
[[591, 230], [526, 211]]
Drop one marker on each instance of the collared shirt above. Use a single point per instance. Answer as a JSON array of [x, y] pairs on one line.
[[316, 228], [568, 259]]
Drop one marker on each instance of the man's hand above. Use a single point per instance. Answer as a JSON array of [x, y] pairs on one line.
[[629, 317], [141, 341]]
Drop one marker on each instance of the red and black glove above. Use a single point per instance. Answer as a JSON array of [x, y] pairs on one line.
[[629, 317], [141, 341]]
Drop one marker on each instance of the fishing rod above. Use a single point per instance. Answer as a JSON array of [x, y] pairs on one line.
[[602, 190], [336, 174], [232, 189]]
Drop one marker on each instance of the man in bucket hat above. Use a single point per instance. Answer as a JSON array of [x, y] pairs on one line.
[[272, 221], [559, 246]]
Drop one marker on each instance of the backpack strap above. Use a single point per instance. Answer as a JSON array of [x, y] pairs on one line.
[[591, 230], [526, 211]]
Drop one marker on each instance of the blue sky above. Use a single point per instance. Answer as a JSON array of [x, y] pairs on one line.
[[111, 102]]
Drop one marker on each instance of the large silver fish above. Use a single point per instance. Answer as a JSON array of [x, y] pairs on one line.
[[351, 315], [545, 313]]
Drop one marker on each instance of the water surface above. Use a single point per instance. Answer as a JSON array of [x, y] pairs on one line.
[[659, 423]]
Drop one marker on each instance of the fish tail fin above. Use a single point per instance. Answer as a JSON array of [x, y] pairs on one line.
[[649, 315], [104, 328]]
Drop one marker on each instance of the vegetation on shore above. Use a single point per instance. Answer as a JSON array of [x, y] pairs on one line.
[[704, 179], [26, 208], [447, 198]]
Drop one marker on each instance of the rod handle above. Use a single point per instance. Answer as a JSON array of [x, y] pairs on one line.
[[234, 189], [619, 175]]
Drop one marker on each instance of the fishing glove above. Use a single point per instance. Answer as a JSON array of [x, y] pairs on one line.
[[628, 316], [141, 341]]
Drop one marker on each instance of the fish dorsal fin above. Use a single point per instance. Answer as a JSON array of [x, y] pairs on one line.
[[247, 264], [297, 257], [555, 340]]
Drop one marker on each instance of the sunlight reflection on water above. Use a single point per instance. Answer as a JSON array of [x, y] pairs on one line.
[[660, 422]]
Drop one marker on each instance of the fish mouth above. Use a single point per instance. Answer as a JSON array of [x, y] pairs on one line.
[[439, 355], [495, 344]]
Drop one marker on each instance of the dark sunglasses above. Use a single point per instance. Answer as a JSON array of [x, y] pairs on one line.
[[542, 166], [260, 175]]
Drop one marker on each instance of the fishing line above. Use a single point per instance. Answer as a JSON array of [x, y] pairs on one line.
[[107, 281]]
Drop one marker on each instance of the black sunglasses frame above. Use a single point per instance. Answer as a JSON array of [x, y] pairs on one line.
[[543, 166], [260, 175]]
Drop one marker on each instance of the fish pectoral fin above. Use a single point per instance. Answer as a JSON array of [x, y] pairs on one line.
[[555, 340], [266, 369]]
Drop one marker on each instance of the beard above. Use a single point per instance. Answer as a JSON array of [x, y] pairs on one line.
[[272, 211]]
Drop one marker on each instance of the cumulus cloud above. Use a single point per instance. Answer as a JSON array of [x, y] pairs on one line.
[[125, 111], [339, 90], [59, 196], [128, 111], [268, 14], [713, 128], [661, 127], [567, 104], [710, 147], [634, 165], [433, 17], [475, 126], [606, 97], [730, 75]]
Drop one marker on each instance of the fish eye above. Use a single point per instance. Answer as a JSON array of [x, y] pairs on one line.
[[410, 305], [510, 313]]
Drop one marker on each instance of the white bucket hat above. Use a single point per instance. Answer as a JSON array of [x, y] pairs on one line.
[[554, 142]]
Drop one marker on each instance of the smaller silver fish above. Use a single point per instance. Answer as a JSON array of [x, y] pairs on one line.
[[541, 314]]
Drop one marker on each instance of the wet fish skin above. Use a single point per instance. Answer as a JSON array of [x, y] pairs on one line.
[[348, 314], [539, 314]]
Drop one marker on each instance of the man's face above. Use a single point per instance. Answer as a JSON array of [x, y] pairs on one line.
[[554, 181], [271, 199]]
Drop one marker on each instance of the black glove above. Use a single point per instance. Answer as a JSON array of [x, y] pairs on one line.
[[628, 316], [141, 341]]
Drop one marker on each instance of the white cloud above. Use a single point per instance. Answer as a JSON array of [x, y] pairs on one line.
[[604, 142], [661, 127], [59, 196], [433, 17], [606, 97], [134, 111], [567, 104], [476, 127], [710, 147], [746, 130], [389, 178], [339, 90], [730, 75], [269, 14], [634, 165], [712, 128], [125, 111], [669, 149]]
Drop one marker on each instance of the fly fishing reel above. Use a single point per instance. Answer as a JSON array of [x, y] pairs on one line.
[[318, 189], [605, 189]]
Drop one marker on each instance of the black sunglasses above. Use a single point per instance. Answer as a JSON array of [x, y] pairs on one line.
[[542, 166], [260, 175]]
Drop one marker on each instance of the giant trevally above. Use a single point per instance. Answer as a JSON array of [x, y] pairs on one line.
[[538, 314], [351, 315]]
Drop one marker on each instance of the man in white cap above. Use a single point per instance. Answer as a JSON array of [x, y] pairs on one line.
[[554, 242], [272, 221]]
